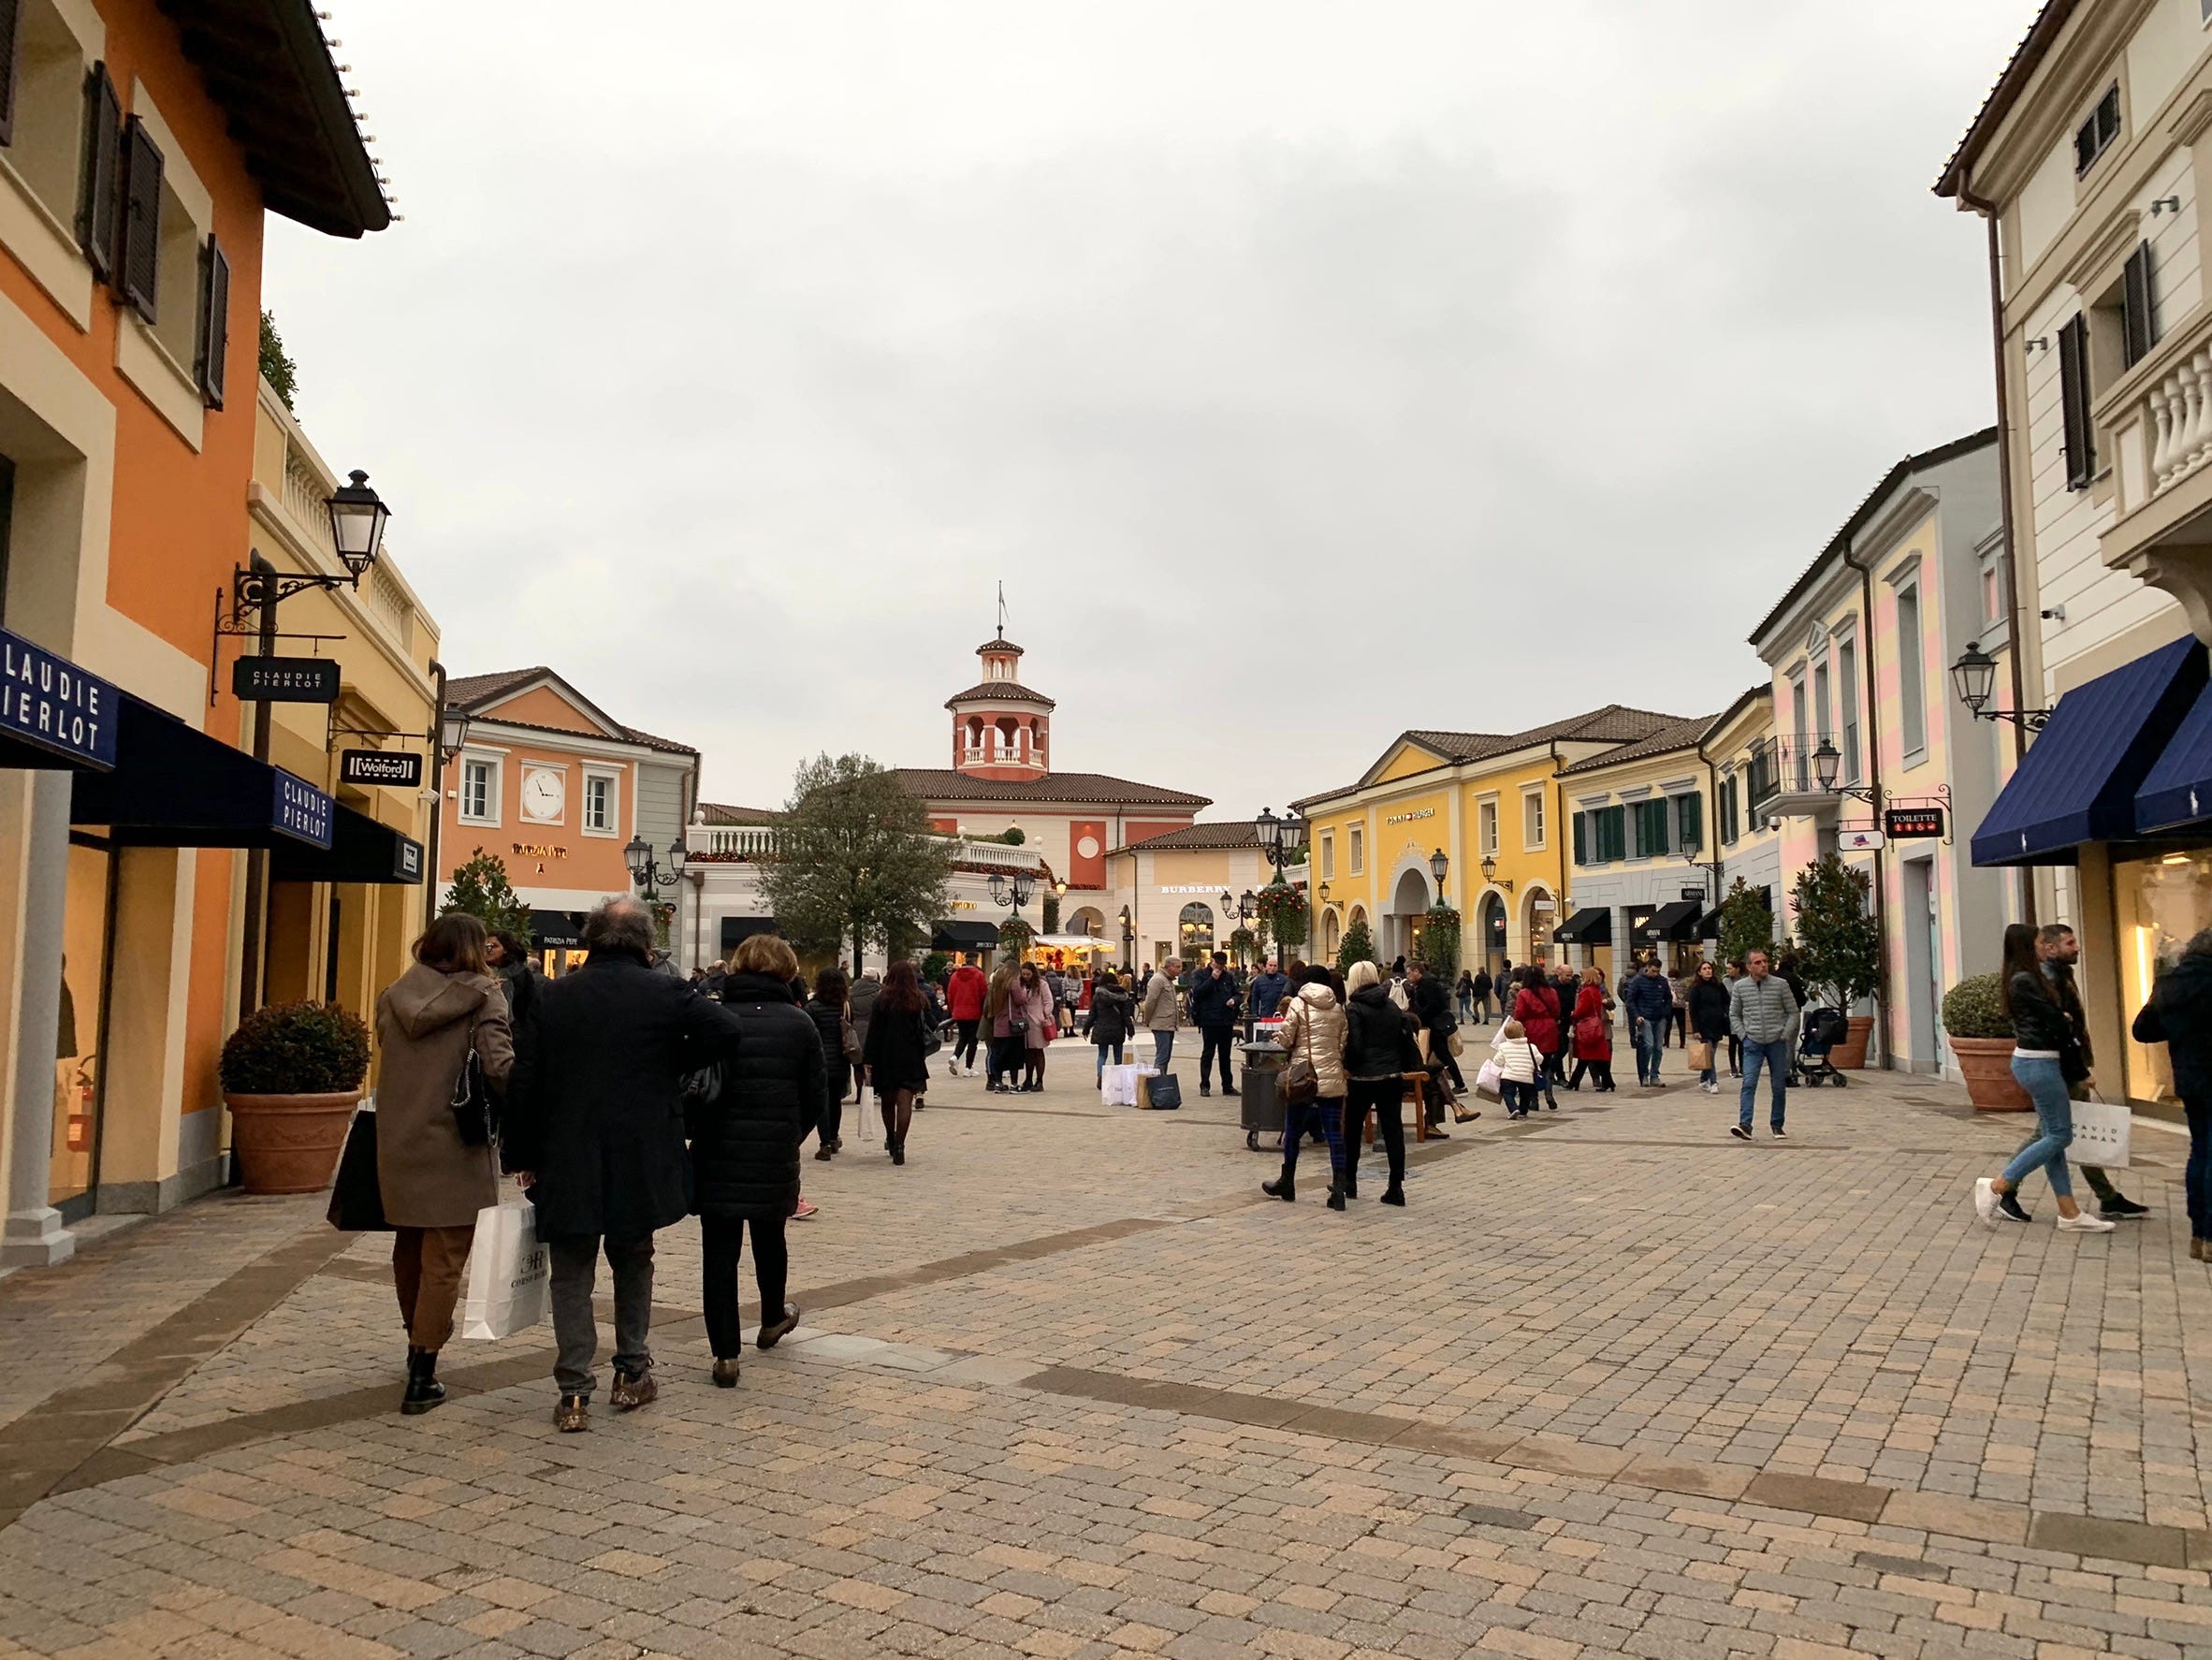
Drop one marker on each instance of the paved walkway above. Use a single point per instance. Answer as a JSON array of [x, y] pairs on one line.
[[1068, 1386]]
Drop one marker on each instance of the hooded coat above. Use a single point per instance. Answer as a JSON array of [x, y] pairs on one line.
[[2179, 1016], [1378, 1043], [1313, 1029], [1113, 1014], [745, 1146], [426, 1022]]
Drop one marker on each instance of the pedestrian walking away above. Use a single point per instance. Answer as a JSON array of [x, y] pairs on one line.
[[2179, 1016], [1313, 1032], [1736, 971], [2047, 1058], [1378, 1052], [1215, 1003], [1481, 994], [841, 1049], [1159, 1013], [1538, 1008], [2056, 950], [745, 1143], [432, 1180], [1763, 1013], [1593, 1032], [965, 992], [1651, 1011], [1432, 1009], [1114, 1018], [1518, 1068], [895, 1055], [595, 1136], [509, 962], [1708, 1020]]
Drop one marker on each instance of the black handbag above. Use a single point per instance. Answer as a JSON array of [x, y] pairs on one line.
[[473, 1114], [357, 1197]]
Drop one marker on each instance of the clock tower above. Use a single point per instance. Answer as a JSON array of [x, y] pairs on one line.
[[1001, 729]]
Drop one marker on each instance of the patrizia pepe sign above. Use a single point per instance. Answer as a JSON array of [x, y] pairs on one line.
[[49, 702], [1426, 812]]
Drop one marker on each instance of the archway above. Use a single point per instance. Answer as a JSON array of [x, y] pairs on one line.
[[1332, 934], [1539, 914], [1410, 898], [1490, 931], [1196, 927], [1088, 920]]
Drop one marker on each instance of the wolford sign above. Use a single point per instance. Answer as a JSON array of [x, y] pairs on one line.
[[49, 702]]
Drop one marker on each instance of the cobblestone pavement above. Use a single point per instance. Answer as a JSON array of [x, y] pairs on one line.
[[1068, 1386]]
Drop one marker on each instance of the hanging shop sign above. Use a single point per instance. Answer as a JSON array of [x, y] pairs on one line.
[[1859, 840], [1693, 895], [397, 769], [51, 704], [284, 679], [1909, 822], [301, 810]]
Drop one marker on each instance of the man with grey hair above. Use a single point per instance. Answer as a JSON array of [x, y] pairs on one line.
[[594, 1131]]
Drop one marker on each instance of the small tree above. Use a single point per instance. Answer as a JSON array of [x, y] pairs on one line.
[[1838, 941], [481, 888], [935, 965], [854, 860], [277, 368], [1746, 922], [1357, 946], [1052, 911], [1013, 836], [1439, 947]]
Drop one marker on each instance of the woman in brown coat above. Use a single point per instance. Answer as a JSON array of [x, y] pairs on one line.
[[432, 1181]]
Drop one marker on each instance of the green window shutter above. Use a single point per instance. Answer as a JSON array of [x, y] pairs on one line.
[[1581, 857], [1612, 834], [1690, 819]]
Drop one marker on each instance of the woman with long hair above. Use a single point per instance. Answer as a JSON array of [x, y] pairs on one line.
[[1593, 1032], [895, 1058], [827, 1010], [1708, 1007], [2046, 1058], [745, 1147], [429, 1021], [1378, 1052], [1003, 1056], [1034, 998]]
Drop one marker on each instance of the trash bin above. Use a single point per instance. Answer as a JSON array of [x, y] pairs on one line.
[[1262, 1106]]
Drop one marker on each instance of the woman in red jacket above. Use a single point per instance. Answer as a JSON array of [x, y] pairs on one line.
[[964, 1003], [1594, 1029], [1537, 1007]]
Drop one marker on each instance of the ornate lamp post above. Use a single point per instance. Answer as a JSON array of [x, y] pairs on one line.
[[1128, 938], [644, 868], [1279, 837], [1438, 866], [1974, 676], [1013, 891]]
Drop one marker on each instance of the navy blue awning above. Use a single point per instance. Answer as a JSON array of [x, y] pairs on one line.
[[175, 786], [53, 716], [2078, 780], [361, 849], [2179, 788]]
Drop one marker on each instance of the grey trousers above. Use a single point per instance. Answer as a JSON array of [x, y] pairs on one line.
[[575, 1270]]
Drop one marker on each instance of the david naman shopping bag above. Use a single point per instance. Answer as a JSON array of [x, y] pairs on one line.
[[2101, 1131], [510, 1274]]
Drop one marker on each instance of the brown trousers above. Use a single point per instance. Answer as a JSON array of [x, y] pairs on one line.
[[426, 1265]]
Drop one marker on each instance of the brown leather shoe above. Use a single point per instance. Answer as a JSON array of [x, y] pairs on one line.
[[573, 1414], [725, 1374], [631, 1392], [775, 1332]]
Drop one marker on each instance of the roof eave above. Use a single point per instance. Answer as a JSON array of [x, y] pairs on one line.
[[2011, 81]]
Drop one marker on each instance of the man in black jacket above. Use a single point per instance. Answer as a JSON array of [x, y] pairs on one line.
[[2059, 950], [1431, 1008], [1215, 1001], [594, 1130]]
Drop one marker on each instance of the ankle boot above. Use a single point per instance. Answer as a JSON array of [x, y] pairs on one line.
[[1284, 1188], [423, 1391], [1394, 1194], [1336, 1199]]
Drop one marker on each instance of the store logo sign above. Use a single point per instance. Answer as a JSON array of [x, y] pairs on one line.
[[400, 769], [1426, 812], [49, 702], [301, 810]]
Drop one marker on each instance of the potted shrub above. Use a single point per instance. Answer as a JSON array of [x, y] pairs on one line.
[[291, 1077], [1982, 1038], [1840, 946]]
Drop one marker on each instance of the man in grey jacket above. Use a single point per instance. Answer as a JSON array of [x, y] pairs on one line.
[[1764, 1016]]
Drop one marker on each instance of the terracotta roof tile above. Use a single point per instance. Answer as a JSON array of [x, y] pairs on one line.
[[716, 812], [1084, 789], [1677, 733], [465, 691], [1001, 691], [1221, 833]]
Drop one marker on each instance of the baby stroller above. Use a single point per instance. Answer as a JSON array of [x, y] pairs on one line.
[[1823, 1029]]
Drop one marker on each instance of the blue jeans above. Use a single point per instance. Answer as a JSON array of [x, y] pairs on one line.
[[1650, 1045], [1116, 1046], [2197, 1182], [1775, 1058], [2046, 1082], [1163, 1050]]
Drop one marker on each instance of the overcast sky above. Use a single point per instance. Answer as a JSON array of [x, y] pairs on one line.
[[1306, 370]]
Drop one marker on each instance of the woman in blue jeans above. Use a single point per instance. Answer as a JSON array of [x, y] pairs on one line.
[[2046, 1058]]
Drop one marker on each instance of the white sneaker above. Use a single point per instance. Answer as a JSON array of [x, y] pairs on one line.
[[2084, 1223], [1986, 1201], [1711, 1088]]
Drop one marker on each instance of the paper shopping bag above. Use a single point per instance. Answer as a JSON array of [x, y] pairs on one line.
[[2101, 1131], [1700, 1055], [510, 1274]]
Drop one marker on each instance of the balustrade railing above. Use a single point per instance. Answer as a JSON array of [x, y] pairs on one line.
[[737, 844]]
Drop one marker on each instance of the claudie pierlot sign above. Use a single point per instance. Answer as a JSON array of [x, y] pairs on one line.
[[301, 810], [49, 702]]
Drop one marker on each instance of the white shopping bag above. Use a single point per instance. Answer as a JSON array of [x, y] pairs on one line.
[[1490, 1081], [2100, 1135], [510, 1274]]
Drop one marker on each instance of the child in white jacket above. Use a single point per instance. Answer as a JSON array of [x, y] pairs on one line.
[[1518, 1067]]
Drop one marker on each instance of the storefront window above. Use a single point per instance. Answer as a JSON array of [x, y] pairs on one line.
[[77, 1062], [2162, 903]]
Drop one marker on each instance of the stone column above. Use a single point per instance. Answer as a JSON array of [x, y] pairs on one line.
[[35, 831]]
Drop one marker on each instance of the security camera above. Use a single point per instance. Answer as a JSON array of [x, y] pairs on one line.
[[1773, 823]]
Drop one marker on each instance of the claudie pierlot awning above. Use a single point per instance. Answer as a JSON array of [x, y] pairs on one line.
[[2079, 779], [360, 850], [174, 787]]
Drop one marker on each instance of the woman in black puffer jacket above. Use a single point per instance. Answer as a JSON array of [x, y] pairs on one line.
[[827, 1010], [745, 1147]]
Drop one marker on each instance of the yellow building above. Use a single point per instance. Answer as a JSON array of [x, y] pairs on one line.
[[1490, 803]]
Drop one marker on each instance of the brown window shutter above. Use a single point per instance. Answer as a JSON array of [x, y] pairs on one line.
[[2135, 304], [11, 29], [99, 170], [214, 324], [2074, 401], [138, 241]]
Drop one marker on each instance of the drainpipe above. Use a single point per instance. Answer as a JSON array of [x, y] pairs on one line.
[[250, 966], [431, 877], [2015, 628], [1871, 678]]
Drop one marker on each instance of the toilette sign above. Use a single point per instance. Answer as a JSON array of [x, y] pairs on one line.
[[49, 702]]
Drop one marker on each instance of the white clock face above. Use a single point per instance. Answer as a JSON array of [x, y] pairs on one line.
[[544, 793]]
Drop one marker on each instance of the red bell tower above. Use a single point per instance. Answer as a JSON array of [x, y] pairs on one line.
[[1001, 730]]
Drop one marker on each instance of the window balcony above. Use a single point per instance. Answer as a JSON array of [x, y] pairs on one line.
[[2156, 420], [1782, 776]]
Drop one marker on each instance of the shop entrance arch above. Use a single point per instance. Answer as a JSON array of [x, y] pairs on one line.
[[1409, 903], [1492, 932], [1196, 927]]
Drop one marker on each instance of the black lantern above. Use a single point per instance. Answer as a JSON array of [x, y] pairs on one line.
[[1439, 865], [677, 853], [357, 518], [453, 733], [1975, 675], [1827, 760], [1490, 868], [638, 855]]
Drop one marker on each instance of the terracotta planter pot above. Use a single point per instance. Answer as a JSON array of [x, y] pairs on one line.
[[289, 1144], [1851, 1053], [1987, 1065]]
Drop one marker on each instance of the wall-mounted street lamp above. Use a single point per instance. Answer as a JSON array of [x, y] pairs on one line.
[[1974, 675], [1489, 873]]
